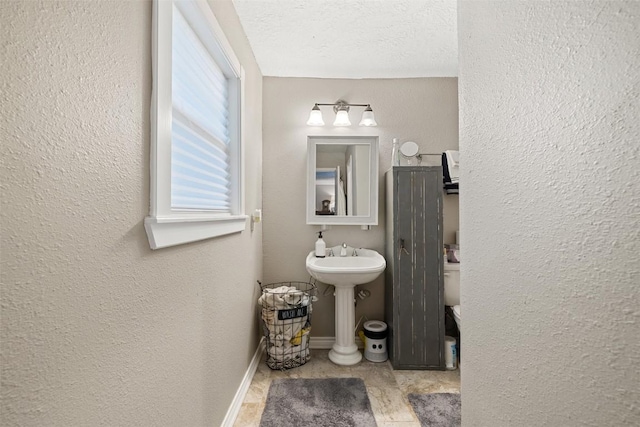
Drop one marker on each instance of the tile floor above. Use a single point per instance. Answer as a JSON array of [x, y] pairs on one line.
[[387, 388]]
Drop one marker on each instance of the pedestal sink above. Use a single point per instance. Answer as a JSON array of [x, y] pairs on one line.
[[357, 267]]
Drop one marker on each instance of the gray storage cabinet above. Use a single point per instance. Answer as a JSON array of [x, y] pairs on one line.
[[414, 286]]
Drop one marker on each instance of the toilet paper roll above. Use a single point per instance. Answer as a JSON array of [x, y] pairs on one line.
[[450, 356]]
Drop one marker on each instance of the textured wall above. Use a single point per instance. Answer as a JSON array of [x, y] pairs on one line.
[[421, 110], [96, 328], [550, 212]]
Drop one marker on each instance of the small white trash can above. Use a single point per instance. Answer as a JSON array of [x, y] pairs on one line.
[[375, 347]]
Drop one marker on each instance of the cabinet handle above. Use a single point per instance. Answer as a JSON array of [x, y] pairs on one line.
[[403, 248]]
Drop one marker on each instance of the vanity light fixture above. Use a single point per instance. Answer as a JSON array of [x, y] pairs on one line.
[[315, 118], [367, 117], [342, 117], [341, 108]]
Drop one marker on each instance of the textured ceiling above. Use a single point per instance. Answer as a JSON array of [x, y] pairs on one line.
[[352, 38]]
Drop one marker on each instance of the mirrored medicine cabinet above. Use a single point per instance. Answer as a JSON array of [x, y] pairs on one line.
[[342, 180]]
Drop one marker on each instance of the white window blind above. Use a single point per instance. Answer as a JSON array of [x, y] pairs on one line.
[[197, 156], [200, 136]]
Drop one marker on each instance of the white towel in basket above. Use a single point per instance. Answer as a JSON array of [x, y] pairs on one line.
[[288, 351], [282, 330], [283, 297]]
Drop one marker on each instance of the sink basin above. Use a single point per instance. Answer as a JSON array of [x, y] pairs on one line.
[[359, 266], [341, 271]]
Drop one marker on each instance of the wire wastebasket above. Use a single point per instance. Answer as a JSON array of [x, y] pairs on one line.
[[286, 321]]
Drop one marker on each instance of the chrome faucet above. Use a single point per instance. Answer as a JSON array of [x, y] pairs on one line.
[[343, 250]]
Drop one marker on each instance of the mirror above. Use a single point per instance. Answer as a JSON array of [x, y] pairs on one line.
[[409, 152], [342, 180], [409, 149]]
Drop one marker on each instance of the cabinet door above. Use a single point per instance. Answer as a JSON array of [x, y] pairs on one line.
[[419, 302]]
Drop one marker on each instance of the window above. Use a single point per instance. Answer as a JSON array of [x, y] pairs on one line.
[[196, 140]]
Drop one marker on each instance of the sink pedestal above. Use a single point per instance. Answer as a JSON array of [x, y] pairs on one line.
[[345, 351], [344, 273]]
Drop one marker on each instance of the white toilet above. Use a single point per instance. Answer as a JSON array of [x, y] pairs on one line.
[[456, 315], [452, 289]]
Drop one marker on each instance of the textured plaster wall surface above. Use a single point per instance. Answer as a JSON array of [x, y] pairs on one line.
[[421, 110], [97, 329], [550, 212]]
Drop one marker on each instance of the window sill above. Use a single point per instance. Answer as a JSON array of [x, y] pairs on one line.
[[172, 231]]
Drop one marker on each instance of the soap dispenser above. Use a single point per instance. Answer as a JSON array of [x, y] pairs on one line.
[[321, 247]]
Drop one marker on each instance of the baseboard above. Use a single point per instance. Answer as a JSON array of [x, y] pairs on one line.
[[325, 343], [236, 403]]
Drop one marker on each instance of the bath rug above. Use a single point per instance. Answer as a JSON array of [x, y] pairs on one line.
[[326, 402], [436, 409]]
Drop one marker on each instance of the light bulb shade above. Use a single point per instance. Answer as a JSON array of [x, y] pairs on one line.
[[315, 117], [367, 118], [342, 118]]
